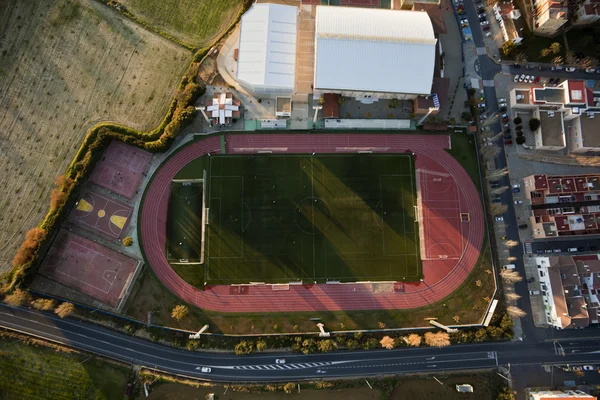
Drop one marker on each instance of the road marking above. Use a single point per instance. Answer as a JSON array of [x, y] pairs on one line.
[[482, 51], [488, 83], [505, 69]]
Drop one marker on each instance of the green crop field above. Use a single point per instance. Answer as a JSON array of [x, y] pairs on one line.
[[288, 218]]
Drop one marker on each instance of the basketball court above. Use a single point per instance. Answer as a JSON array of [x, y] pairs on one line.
[[88, 267], [121, 169], [102, 214]]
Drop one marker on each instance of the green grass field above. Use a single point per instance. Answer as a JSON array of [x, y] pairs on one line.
[[194, 22], [38, 372], [184, 227], [291, 218]]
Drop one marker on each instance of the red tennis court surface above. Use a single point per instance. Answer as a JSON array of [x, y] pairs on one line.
[[102, 214], [89, 267], [121, 169], [452, 227]]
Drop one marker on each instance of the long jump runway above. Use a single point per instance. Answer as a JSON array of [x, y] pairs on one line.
[[452, 227]]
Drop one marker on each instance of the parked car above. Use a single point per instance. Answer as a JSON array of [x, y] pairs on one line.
[[486, 28], [496, 201], [518, 201], [507, 131], [507, 136], [516, 66], [482, 15], [531, 79], [502, 103], [501, 100], [484, 23], [481, 9], [531, 280], [516, 190], [570, 69], [557, 251], [516, 78], [522, 78], [499, 218], [557, 68], [464, 21], [516, 185], [507, 142], [590, 70], [581, 249], [588, 368], [523, 226], [502, 109], [536, 80]]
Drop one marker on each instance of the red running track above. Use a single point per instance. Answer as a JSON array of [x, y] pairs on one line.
[[441, 277]]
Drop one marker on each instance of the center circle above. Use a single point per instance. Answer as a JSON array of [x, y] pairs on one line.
[[312, 215], [101, 213]]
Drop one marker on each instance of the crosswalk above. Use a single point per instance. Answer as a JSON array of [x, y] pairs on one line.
[[488, 83], [282, 366]]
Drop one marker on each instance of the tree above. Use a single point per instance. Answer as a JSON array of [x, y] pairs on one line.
[[555, 48], [499, 190], [387, 342], [261, 345], [510, 276], [508, 48], [466, 116], [326, 346], [413, 340], [64, 309], [18, 297], [370, 343], [127, 241], [505, 393], [545, 53], [511, 243], [498, 173], [570, 58], [244, 347], [321, 100], [352, 344], [520, 133], [437, 339], [498, 209], [515, 312], [519, 127], [534, 124], [506, 323], [512, 296], [520, 58], [521, 139], [579, 373], [588, 62], [309, 346], [517, 120], [490, 151], [43, 304], [558, 60], [179, 312]]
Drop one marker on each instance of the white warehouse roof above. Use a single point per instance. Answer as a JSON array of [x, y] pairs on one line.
[[267, 49], [374, 50]]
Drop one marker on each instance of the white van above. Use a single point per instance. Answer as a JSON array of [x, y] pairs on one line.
[[509, 266], [572, 249]]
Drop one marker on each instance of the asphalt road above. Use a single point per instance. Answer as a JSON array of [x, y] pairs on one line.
[[263, 367], [565, 244]]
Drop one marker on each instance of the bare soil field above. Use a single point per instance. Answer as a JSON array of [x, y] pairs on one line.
[[196, 23], [64, 66]]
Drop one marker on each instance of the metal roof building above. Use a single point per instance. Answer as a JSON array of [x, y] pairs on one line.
[[267, 49], [375, 53]]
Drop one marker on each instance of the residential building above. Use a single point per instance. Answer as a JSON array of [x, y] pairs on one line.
[[570, 287], [267, 50], [567, 113], [563, 205], [548, 17], [588, 12], [560, 394], [370, 54]]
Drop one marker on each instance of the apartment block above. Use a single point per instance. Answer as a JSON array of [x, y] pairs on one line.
[[587, 13], [560, 394], [568, 115], [563, 205], [570, 289]]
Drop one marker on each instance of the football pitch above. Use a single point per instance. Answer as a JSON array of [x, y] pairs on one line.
[[289, 218]]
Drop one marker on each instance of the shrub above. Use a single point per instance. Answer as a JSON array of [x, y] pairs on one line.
[[261, 345], [387, 342], [127, 241], [64, 309], [517, 120], [43, 304], [413, 340], [18, 297], [520, 139], [519, 127], [534, 124], [244, 347], [326, 346], [289, 387], [29, 247], [437, 339], [192, 345]]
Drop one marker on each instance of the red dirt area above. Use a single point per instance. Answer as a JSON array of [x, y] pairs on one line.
[[452, 228], [121, 169], [88, 267]]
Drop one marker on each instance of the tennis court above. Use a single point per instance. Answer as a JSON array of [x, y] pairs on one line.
[[285, 218]]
